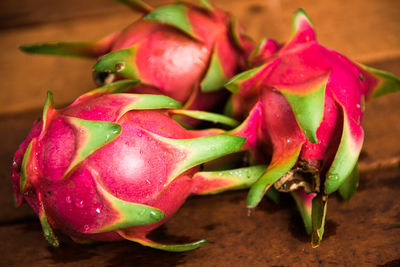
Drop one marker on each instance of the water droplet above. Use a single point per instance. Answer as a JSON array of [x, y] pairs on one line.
[[142, 212], [333, 176], [68, 199], [79, 204], [148, 181], [98, 210], [220, 174], [154, 214], [86, 228], [139, 134], [358, 106]]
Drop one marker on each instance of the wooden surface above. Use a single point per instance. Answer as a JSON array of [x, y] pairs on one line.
[[363, 232]]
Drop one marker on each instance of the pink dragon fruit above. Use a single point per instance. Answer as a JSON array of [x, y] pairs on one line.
[[183, 51], [115, 166], [308, 102]]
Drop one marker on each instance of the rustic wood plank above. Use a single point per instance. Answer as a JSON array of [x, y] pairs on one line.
[[362, 232], [28, 12], [367, 31]]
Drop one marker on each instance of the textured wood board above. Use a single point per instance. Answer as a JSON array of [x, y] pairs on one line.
[[362, 232], [365, 30]]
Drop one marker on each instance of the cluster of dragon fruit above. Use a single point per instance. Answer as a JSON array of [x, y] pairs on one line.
[[122, 159]]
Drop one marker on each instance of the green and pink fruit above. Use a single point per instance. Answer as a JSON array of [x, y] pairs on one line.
[[183, 51], [115, 166], [309, 100]]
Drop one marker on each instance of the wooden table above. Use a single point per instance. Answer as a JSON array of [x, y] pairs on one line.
[[362, 232]]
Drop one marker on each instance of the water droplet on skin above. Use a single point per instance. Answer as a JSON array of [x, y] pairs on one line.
[[98, 210], [142, 212], [148, 181], [86, 228], [139, 134], [333, 176], [358, 106], [68, 199], [79, 204], [153, 214]]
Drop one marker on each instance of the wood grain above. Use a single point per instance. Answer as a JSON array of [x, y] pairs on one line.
[[365, 30], [362, 232]]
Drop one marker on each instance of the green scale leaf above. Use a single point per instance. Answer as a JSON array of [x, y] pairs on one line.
[[166, 247], [25, 161], [236, 83], [131, 101], [387, 82], [48, 112], [90, 49], [349, 185], [305, 210], [215, 77], [307, 102], [173, 15], [47, 230], [206, 5], [121, 61], [207, 116], [234, 179], [280, 165], [90, 136], [148, 101], [129, 214], [202, 149], [116, 87], [318, 217], [235, 32], [299, 18], [346, 155]]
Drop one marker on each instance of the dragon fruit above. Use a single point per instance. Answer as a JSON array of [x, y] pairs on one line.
[[183, 51], [115, 165], [308, 101]]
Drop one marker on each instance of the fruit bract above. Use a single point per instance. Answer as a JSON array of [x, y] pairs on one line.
[[183, 51], [308, 101], [115, 166]]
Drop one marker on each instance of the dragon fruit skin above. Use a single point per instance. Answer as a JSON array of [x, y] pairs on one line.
[[309, 100], [183, 51], [115, 166]]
